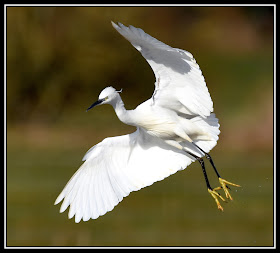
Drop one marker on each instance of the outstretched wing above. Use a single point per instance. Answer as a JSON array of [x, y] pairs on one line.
[[114, 168], [179, 85]]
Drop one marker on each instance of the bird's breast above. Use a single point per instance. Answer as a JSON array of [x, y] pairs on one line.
[[156, 121], [161, 128]]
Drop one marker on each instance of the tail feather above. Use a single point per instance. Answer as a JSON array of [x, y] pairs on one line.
[[211, 126]]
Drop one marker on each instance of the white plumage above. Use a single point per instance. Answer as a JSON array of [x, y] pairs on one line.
[[179, 112]]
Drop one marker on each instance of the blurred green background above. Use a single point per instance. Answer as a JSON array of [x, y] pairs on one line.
[[58, 61]]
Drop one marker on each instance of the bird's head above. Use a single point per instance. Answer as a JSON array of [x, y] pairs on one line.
[[107, 96]]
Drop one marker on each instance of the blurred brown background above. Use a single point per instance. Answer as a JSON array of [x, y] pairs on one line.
[[58, 61]]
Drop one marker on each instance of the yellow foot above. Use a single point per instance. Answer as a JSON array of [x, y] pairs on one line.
[[215, 195], [224, 184]]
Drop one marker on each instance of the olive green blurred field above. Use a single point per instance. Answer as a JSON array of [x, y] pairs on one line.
[[58, 61]]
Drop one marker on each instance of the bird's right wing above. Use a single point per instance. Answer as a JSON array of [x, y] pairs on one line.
[[114, 168], [179, 85]]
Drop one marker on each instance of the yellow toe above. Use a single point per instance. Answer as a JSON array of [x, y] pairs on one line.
[[224, 184], [215, 195]]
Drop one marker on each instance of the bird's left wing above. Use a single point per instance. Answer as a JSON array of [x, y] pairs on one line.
[[114, 168], [180, 85]]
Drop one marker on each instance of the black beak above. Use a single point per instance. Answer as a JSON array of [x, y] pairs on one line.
[[95, 103]]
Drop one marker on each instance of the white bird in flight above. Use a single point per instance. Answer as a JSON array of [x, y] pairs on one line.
[[175, 127]]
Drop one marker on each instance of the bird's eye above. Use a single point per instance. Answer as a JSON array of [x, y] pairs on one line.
[[106, 98]]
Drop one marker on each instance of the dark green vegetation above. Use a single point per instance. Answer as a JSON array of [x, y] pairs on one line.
[[59, 59]]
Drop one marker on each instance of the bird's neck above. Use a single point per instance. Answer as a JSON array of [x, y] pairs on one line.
[[122, 113]]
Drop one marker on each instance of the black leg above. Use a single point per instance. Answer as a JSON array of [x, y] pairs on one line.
[[212, 192], [204, 173], [203, 168], [209, 158]]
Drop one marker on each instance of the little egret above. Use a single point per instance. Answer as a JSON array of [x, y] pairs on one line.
[[175, 127]]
